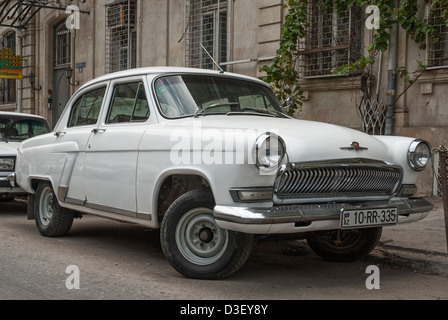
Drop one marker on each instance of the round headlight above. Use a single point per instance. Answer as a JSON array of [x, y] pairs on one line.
[[419, 154], [270, 150]]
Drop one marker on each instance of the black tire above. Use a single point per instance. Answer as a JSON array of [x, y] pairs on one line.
[[195, 245], [345, 245], [51, 219]]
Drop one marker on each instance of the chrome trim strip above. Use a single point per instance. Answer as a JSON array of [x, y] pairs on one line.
[[138, 215], [354, 146], [144, 216], [234, 192], [110, 209], [74, 201]]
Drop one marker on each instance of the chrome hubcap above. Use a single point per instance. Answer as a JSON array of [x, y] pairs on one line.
[[199, 239]]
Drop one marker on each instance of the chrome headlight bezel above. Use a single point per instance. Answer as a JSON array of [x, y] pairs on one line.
[[419, 155], [270, 149]]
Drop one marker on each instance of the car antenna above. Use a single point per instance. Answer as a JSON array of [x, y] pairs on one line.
[[221, 70]]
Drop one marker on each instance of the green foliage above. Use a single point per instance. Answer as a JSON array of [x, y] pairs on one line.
[[282, 74]]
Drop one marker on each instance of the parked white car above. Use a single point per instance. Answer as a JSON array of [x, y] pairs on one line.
[[14, 128], [213, 160]]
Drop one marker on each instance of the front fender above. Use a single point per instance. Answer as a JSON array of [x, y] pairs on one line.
[[398, 147]]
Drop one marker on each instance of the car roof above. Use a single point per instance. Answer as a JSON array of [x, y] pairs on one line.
[[21, 115], [163, 71]]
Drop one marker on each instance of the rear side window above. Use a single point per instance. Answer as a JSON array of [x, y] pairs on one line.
[[86, 110], [129, 103], [18, 129]]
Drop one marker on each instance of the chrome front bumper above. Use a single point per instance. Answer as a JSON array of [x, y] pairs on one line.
[[306, 218], [10, 179], [8, 186]]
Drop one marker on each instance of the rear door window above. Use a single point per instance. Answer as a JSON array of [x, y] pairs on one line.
[[128, 103], [86, 110]]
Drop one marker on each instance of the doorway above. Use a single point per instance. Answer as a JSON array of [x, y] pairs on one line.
[[62, 56]]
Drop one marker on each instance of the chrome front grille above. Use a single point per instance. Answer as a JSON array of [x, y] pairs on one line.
[[330, 180]]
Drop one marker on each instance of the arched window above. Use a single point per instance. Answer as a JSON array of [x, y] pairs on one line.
[[7, 86]]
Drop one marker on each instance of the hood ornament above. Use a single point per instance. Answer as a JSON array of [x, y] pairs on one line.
[[354, 146]]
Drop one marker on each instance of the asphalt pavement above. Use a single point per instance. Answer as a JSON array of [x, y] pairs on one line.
[[420, 246]]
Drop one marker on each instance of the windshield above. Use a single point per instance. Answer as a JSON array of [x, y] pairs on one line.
[[15, 129], [198, 95]]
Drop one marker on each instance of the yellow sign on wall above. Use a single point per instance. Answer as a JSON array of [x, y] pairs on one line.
[[10, 65]]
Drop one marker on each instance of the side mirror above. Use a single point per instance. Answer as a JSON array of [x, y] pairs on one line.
[[289, 102]]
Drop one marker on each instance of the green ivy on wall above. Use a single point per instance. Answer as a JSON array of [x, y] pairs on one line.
[[283, 74]]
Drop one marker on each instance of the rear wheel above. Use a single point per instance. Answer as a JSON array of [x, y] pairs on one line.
[[345, 245], [51, 219], [195, 245]]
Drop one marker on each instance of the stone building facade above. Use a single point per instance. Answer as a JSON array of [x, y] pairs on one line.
[[95, 37]]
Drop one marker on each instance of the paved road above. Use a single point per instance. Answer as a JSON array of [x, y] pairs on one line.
[[122, 261]]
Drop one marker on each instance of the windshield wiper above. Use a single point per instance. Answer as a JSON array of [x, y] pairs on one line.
[[266, 112], [218, 104]]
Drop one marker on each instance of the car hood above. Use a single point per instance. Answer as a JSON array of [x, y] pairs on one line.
[[9, 148], [305, 140]]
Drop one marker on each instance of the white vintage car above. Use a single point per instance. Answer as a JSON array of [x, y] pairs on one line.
[[14, 128], [212, 159]]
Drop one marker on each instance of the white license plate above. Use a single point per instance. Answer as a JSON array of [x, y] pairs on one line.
[[357, 218]]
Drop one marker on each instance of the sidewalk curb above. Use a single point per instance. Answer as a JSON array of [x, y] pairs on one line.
[[415, 260]]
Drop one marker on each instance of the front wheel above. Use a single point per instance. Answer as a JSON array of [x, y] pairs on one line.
[[195, 245], [51, 219], [345, 245]]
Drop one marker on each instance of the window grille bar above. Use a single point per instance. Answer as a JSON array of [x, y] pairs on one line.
[[121, 44], [333, 39], [206, 30], [437, 53], [8, 86]]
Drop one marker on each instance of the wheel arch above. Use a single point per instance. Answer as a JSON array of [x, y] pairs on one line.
[[35, 181], [171, 185]]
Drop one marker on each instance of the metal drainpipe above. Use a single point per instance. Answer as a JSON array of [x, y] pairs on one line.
[[19, 82], [391, 83]]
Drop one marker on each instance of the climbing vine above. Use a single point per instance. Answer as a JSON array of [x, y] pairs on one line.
[[283, 73]]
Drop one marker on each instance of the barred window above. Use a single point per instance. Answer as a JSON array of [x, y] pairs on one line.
[[206, 36], [121, 36], [62, 45], [437, 49], [333, 39], [7, 86]]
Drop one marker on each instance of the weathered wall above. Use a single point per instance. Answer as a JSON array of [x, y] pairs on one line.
[[254, 36]]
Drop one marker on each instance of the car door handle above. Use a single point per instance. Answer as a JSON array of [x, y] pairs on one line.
[[59, 133], [96, 130]]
